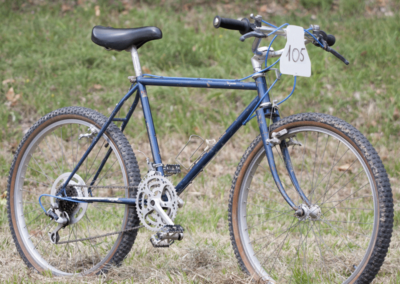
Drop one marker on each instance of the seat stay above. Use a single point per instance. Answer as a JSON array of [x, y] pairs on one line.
[[100, 134]]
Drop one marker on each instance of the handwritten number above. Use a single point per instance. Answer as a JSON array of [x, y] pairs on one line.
[[300, 54]]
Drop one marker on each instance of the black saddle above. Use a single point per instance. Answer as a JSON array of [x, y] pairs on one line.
[[121, 39]]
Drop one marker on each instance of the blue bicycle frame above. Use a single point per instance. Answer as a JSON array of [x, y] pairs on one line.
[[140, 88]]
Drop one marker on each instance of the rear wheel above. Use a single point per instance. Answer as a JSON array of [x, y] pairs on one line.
[[43, 161], [339, 171]]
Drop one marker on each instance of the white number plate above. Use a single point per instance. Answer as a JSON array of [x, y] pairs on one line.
[[294, 59]]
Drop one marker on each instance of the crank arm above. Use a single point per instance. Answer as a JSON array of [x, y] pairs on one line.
[[157, 206]]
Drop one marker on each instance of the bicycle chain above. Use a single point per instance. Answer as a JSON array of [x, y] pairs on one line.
[[100, 236], [104, 235]]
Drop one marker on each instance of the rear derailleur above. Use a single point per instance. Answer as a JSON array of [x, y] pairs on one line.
[[62, 218]]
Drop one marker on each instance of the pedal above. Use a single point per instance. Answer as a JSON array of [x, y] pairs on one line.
[[172, 229], [157, 243], [167, 235], [170, 170]]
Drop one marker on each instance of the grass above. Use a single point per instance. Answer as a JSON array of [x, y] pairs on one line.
[[47, 54]]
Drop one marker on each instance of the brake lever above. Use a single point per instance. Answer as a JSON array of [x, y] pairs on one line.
[[334, 52], [253, 34], [338, 55]]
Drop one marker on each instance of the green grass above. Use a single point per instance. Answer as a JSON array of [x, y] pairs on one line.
[[53, 62]]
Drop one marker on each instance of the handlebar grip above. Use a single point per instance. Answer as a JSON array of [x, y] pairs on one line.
[[242, 26], [338, 55]]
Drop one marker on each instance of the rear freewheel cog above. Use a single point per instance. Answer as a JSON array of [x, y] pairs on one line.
[[154, 186]]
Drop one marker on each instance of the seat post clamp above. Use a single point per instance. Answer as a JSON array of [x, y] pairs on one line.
[[132, 79]]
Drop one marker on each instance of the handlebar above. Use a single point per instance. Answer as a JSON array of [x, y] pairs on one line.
[[242, 26], [248, 29]]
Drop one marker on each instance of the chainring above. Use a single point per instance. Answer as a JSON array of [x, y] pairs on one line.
[[154, 185]]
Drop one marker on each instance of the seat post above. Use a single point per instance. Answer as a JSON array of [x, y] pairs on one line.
[[136, 62]]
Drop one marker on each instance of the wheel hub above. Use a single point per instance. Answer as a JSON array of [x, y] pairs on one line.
[[75, 210], [305, 212]]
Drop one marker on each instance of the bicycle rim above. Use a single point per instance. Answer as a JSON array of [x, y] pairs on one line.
[[333, 175], [52, 153]]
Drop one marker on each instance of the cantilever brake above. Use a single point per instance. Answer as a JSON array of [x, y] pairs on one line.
[[253, 34]]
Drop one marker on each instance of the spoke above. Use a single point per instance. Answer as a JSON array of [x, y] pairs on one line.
[[52, 153], [37, 182], [72, 147], [346, 241], [330, 172], [341, 200], [348, 230], [274, 188], [265, 212], [322, 239], [94, 247], [281, 246], [332, 167], [350, 222], [256, 192], [340, 178], [315, 160], [305, 254], [323, 156], [45, 156], [101, 147], [77, 245], [90, 243], [43, 234], [345, 185], [320, 252], [304, 152], [347, 208], [266, 245], [41, 171], [29, 191], [33, 210], [319, 170], [298, 247], [77, 144], [102, 209], [67, 246], [30, 222], [62, 151], [267, 220], [105, 175], [347, 198]]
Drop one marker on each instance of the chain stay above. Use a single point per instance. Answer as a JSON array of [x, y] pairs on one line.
[[104, 235]]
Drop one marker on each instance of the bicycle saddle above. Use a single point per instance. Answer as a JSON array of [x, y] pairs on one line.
[[121, 39]]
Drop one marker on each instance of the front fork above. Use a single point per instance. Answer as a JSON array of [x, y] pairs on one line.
[[261, 114]]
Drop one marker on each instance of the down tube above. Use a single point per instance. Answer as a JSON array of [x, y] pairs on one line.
[[199, 166]]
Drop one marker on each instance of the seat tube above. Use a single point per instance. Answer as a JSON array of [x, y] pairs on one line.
[[262, 123], [155, 151]]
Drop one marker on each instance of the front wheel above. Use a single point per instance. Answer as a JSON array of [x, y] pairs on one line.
[[338, 170]]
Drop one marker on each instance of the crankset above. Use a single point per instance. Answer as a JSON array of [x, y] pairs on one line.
[[157, 204]]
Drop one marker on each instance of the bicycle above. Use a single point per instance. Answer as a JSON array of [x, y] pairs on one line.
[[334, 225]]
